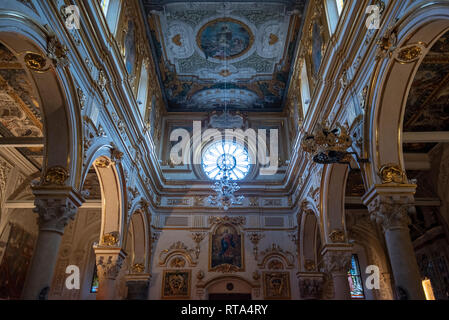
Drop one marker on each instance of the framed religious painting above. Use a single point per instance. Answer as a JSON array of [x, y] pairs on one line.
[[276, 285], [176, 284], [226, 249]]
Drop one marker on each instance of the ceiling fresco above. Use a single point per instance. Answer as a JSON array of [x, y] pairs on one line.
[[428, 101], [212, 54]]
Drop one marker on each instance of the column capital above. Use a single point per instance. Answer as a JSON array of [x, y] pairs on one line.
[[109, 262], [389, 206], [337, 259], [56, 207], [310, 285]]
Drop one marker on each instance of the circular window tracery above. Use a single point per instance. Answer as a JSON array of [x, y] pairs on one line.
[[226, 156]]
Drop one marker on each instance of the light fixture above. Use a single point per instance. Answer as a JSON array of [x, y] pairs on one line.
[[226, 163], [328, 145]]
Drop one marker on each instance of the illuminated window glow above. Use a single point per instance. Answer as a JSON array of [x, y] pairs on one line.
[[104, 4], [340, 4], [226, 156], [428, 290], [355, 279], [95, 283]]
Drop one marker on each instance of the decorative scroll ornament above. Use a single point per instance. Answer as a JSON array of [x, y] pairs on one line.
[[138, 268], [309, 265], [177, 262], [54, 215], [57, 52], [198, 237], [337, 236], [103, 163], [327, 145], [226, 268], [56, 176], [110, 239], [177, 249], [36, 62], [255, 238], [237, 221], [410, 53], [391, 173]]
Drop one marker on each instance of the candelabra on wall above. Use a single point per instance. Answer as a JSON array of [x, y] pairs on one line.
[[198, 237], [255, 237]]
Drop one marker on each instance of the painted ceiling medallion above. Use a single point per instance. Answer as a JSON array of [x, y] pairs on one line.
[[225, 38]]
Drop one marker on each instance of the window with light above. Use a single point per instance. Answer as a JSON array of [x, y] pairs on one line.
[[104, 4], [226, 156], [355, 279]]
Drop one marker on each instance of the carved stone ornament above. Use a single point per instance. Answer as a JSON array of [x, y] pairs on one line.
[[256, 276], [108, 267], [237, 221], [138, 268], [391, 214], [226, 268], [102, 163], [57, 52], [54, 214], [309, 265], [36, 62], [110, 239], [410, 53], [177, 249], [56, 176], [391, 173], [177, 262], [311, 288], [200, 275], [337, 236]]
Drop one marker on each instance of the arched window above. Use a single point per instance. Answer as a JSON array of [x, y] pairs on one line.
[[226, 156], [305, 88], [142, 94], [111, 11], [334, 10], [355, 279]]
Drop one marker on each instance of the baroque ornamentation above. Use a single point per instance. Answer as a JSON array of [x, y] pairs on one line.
[[311, 288], [110, 239], [276, 251], [391, 173], [109, 267], [138, 268], [177, 249], [255, 237], [337, 236], [57, 52], [391, 213], [327, 145], [337, 261], [409, 54], [36, 62], [309, 265], [103, 163], [226, 268], [54, 214], [237, 221], [56, 176], [198, 237]]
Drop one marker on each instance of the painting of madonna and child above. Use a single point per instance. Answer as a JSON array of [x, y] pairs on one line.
[[227, 249]]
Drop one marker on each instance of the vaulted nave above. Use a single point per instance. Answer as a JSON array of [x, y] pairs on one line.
[[224, 150]]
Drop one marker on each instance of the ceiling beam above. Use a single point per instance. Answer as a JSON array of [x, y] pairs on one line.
[[425, 137], [21, 142], [417, 161]]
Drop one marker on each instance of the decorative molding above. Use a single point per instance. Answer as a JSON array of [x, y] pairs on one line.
[[54, 214], [111, 239], [177, 249], [237, 221], [56, 175], [276, 251], [337, 236], [392, 173]]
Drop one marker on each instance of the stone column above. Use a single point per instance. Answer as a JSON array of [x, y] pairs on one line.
[[310, 285], [390, 211], [138, 286], [55, 208], [337, 262], [109, 263]]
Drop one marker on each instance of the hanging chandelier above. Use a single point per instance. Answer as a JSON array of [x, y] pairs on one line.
[[328, 145], [225, 194]]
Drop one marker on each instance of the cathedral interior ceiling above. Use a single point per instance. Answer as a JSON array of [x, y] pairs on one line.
[[20, 114], [210, 54]]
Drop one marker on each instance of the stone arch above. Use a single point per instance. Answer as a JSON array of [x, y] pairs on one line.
[[392, 81], [55, 91], [309, 233], [333, 188], [140, 259], [114, 197]]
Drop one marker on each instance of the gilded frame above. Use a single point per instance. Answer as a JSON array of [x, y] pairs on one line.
[[176, 297], [285, 276], [227, 268]]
